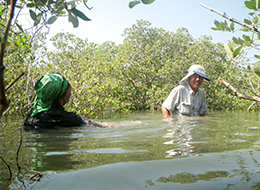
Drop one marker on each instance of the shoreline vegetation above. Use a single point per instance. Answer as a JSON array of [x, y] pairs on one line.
[[135, 75]]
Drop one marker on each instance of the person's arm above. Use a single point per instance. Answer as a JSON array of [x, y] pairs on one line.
[[90, 122], [205, 109], [165, 112], [171, 101], [206, 115]]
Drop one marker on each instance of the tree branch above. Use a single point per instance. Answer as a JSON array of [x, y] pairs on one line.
[[18, 150], [89, 8], [3, 101], [12, 83], [8, 167], [254, 28], [237, 93]]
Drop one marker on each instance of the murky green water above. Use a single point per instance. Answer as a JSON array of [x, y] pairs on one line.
[[147, 152]]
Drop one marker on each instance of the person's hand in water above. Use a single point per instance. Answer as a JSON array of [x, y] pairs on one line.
[[95, 124], [107, 125]]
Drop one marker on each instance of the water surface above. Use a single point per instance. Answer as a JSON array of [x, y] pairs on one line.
[[147, 152]]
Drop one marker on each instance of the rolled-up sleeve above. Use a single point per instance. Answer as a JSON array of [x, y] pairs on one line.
[[172, 100]]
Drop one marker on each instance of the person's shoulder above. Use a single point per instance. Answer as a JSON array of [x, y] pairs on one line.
[[182, 87], [176, 89]]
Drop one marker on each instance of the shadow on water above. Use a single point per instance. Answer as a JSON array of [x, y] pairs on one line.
[[218, 152]]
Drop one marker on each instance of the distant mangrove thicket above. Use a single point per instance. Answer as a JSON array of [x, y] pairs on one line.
[[135, 75]]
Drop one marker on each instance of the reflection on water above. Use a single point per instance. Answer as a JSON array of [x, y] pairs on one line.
[[182, 137], [186, 178], [191, 136], [156, 153], [229, 170]]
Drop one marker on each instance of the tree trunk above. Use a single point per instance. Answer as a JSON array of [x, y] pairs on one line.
[[4, 104]]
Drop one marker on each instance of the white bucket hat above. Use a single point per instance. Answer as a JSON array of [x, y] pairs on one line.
[[194, 69]]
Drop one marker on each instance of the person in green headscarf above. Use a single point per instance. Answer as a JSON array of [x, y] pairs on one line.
[[53, 91]]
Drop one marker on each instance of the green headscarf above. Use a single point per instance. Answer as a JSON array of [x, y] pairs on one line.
[[48, 88]]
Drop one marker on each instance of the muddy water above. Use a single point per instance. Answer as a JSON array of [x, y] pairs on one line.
[[146, 152]]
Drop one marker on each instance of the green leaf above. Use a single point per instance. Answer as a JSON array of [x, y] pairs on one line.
[[246, 38], [133, 3], [250, 5], [52, 19], [73, 18], [30, 5], [228, 62], [246, 43], [216, 29], [232, 26], [147, 1], [18, 6], [228, 50], [36, 22], [33, 15], [258, 36], [217, 24], [17, 43], [80, 14], [245, 30], [236, 51], [257, 69], [257, 56], [38, 19], [247, 21], [19, 26], [235, 40], [224, 26], [255, 20]]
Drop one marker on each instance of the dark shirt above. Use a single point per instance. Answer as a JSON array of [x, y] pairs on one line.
[[53, 118]]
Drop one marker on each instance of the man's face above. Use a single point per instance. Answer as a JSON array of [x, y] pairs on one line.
[[195, 81]]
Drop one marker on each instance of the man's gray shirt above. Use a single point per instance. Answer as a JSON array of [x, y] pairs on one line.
[[183, 101]]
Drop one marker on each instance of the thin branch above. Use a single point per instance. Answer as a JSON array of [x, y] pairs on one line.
[[254, 28], [89, 8], [3, 101], [250, 106], [17, 153], [237, 93], [47, 3], [10, 85], [8, 167], [38, 179], [38, 173], [32, 38], [252, 89]]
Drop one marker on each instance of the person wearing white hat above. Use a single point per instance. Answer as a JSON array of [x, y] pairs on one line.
[[187, 99]]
